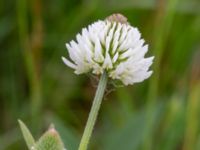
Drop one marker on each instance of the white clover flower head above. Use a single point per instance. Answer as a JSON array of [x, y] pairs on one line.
[[113, 46]]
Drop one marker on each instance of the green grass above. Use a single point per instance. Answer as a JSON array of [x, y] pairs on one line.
[[161, 113]]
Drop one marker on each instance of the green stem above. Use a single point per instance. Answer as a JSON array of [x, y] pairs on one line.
[[93, 112]]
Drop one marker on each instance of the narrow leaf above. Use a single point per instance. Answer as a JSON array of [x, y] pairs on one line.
[[27, 135]]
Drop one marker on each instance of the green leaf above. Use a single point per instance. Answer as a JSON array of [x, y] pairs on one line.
[[50, 141], [27, 135], [66, 132]]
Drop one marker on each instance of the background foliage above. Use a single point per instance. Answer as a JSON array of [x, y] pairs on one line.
[[162, 113]]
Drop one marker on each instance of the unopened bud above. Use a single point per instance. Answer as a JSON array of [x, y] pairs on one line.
[[117, 18]]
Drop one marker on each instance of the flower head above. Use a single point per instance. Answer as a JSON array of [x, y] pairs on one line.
[[112, 46]]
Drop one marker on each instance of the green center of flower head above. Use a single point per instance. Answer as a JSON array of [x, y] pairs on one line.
[[113, 46]]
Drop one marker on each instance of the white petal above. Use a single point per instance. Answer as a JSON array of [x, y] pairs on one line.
[[108, 40], [98, 51], [68, 63], [107, 62], [124, 33], [115, 57]]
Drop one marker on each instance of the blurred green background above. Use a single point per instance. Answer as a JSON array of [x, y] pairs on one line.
[[162, 113]]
